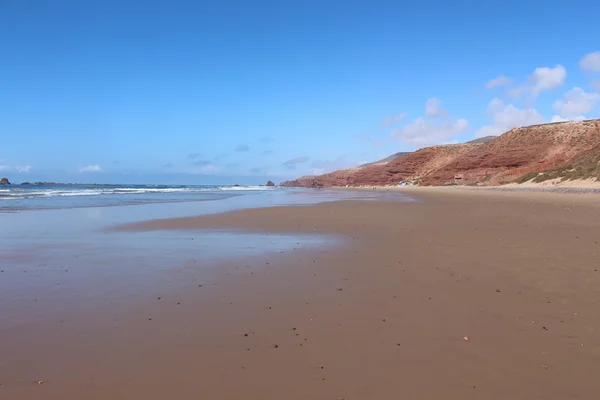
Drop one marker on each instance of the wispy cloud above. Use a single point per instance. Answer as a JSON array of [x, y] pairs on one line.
[[193, 156], [90, 168], [168, 165], [433, 108], [591, 62], [242, 148], [265, 139], [201, 163], [291, 164], [498, 82], [232, 165], [15, 168], [266, 152], [393, 120]]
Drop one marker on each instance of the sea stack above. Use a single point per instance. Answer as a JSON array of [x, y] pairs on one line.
[[270, 183], [4, 181]]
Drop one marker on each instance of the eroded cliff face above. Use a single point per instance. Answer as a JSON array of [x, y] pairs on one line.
[[516, 153]]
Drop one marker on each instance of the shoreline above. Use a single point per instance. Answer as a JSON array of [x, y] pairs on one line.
[[386, 312], [503, 188]]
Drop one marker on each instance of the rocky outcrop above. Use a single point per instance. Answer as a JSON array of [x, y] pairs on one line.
[[496, 160], [270, 183], [4, 181]]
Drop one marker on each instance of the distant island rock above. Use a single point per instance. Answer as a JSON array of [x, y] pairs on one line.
[[270, 183], [4, 181]]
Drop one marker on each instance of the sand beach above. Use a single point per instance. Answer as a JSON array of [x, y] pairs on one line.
[[456, 295]]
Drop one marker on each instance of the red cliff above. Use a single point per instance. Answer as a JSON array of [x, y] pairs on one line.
[[558, 148]]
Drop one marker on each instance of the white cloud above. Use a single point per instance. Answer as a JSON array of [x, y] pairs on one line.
[[90, 168], [394, 119], [430, 130], [575, 103], [545, 78], [558, 118], [542, 79], [15, 168], [433, 107], [506, 117], [596, 85], [498, 82], [591, 62], [426, 132]]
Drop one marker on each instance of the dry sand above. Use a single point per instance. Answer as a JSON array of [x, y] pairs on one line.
[[465, 295]]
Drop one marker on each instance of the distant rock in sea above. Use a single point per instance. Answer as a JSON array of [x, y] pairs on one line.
[[4, 181], [270, 183], [26, 183]]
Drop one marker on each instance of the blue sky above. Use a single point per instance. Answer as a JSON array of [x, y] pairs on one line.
[[244, 91]]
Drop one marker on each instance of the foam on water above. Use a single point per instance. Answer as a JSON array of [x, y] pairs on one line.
[[49, 196]]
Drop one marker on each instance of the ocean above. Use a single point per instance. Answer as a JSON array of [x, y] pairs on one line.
[[31, 197]]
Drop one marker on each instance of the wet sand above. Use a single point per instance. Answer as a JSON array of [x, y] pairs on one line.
[[463, 295]]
